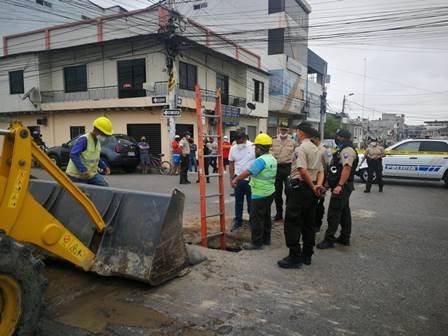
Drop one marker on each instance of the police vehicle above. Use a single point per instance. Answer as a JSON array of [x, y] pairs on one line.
[[418, 159]]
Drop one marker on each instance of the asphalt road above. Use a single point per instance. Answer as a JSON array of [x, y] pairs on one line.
[[391, 281]]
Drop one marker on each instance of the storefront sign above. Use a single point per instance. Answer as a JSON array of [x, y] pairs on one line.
[[230, 115]]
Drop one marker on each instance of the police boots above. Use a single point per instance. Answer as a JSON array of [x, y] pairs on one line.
[[293, 260]]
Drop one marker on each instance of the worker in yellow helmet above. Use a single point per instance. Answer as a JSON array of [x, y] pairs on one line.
[[262, 173], [85, 155]]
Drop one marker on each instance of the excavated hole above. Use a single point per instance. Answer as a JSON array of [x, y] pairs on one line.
[[234, 240]]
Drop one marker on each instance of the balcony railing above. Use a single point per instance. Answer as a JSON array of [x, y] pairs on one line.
[[97, 93], [112, 92]]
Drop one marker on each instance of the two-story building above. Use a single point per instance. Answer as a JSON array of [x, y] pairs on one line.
[[60, 78]]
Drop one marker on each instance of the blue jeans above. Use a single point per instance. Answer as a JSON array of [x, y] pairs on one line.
[[98, 180], [242, 189], [193, 163]]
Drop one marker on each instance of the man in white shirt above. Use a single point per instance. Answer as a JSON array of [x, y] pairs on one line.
[[241, 156]]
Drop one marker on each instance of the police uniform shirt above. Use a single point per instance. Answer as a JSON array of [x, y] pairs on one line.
[[306, 156], [325, 156], [283, 150], [347, 156], [185, 145], [375, 152]]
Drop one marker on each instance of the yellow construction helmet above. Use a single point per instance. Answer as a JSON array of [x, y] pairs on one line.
[[263, 139], [104, 125]]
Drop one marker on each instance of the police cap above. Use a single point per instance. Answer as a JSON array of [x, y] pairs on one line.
[[343, 134], [306, 128]]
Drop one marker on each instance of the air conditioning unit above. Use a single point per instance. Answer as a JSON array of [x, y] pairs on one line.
[[33, 95]]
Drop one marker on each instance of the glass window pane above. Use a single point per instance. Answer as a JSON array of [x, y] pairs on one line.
[[276, 41], [434, 146], [16, 85], [409, 146]]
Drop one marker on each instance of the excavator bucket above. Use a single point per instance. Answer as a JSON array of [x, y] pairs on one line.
[[143, 238]]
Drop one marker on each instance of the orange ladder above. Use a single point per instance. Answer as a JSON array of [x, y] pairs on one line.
[[201, 117]]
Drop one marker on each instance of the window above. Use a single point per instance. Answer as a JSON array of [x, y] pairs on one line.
[[16, 82], [276, 41], [131, 76], [76, 131], [276, 6], [434, 146], [199, 6], [44, 3], [188, 76], [258, 91], [408, 146], [75, 78], [222, 82]]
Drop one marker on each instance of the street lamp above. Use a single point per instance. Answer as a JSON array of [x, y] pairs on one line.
[[343, 101]]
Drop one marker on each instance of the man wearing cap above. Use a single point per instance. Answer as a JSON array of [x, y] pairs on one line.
[[304, 188], [325, 157], [262, 172], [184, 145], [340, 178], [86, 152], [374, 155], [282, 149]]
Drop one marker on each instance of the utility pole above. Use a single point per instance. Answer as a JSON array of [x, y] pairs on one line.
[[323, 111], [171, 53]]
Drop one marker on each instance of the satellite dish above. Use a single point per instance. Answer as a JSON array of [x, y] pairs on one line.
[[251, 106], [33, 95]]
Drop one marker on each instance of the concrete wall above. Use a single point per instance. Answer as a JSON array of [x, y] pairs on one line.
[[85, 32], [57, 130], [14, 102], [250, 15]]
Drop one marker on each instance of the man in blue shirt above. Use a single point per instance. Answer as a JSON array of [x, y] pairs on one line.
[[85, 155]]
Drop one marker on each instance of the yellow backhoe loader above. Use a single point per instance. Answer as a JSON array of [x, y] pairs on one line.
[[109, 231]]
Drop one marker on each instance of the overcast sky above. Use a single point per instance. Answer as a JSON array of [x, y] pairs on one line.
[[404, 74]]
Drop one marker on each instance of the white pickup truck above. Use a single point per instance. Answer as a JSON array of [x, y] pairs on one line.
[[427, 159]]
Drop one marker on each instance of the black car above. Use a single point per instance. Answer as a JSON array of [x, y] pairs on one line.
[[119, 151]]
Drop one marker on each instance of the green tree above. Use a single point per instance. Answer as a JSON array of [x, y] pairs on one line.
[[332, 124]]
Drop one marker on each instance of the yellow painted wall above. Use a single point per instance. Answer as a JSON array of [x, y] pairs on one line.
[[58, 129]]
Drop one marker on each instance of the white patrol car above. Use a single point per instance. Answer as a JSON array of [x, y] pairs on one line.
[[419, 159]]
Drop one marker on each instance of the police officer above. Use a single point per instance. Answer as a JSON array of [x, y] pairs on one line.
[[304, 188], [340, 179], [374, 155], [184, 158], [325, 157], [282, 149], [262, 172]]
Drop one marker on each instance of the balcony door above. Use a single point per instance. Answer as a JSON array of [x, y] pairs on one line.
[[222, 82], [131, 76]]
